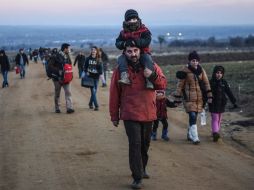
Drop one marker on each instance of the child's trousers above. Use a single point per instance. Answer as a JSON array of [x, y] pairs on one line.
[[216, 120]]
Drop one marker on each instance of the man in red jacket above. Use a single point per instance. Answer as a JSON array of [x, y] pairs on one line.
[[136, 106]]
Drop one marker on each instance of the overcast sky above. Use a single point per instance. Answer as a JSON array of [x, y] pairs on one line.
[[111, 12]]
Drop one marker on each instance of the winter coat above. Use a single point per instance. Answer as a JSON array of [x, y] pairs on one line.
[[161, 108], [93, 67], [25, 59], [220, 89], [81, 61], [4, 63], [135, 102], [142, 38], [56, 63], [189, 90]]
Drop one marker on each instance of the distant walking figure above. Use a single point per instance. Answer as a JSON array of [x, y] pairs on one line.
[[93, 69], [21, 61], [80, 59], [5, 67], [56, 64]]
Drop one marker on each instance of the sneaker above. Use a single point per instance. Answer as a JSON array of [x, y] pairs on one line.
[[137, 184], [58, 111], [104, 85], [96, 109], [165, 138], [216, 137], [124, 78], [70, 111], [146, 175], [90, 107]]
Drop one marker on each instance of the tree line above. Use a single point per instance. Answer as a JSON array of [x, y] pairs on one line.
[[237, 41]]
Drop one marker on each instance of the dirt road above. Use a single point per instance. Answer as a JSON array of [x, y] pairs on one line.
[[42, 150]]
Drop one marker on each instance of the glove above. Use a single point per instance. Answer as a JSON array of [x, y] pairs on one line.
[[130, 43], [115, 123]]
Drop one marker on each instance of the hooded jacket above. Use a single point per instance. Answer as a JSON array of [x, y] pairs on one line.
[[142, 38], [220, 89], [188, 88]]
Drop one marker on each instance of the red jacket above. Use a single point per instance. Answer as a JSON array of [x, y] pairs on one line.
[[142, 37], [161, 108], [134, 102]]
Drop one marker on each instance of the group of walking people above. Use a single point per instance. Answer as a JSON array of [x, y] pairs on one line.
[[137, 95], [138, 90], [92, 66], [21, 61]]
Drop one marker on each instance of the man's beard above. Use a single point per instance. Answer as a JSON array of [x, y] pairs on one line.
[[134, 59]]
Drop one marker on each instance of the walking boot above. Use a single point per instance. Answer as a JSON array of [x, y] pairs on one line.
[[145, 175], [137, 184], [124, 78], [164, 135], [194, 134], [154, 136], [216, 137]]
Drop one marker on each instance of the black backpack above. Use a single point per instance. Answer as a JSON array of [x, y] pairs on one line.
[[50, 71]]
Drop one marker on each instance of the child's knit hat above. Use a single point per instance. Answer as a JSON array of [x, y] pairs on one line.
[[131, 13], [193, 55]]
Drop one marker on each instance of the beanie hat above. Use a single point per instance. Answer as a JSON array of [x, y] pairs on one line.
[[193, 55], [64, 45], [219, 68], [129, 14]]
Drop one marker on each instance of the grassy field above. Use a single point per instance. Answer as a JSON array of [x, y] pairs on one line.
[[238, 74]]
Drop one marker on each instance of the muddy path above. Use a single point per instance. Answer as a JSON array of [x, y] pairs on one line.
[[42, 150]]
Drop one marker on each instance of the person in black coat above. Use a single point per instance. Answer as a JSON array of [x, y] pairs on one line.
[[81, 61], [21, 61], [5, 67], [220, 89]]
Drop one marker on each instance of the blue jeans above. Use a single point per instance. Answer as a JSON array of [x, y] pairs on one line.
[[22, 71], [93, 98], [192, 118], [80, 70], [5, 77]]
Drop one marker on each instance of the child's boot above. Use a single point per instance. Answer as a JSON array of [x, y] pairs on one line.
[[216, 137], [194, 134], [149, 85], [154, 136], [164, 135], [124, 78]]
